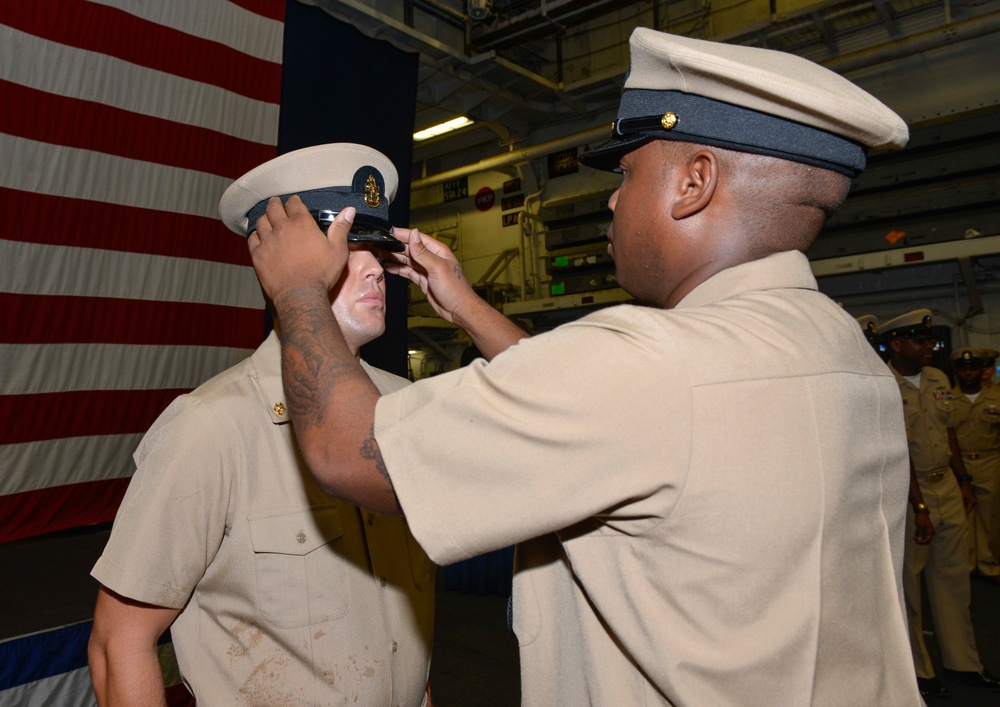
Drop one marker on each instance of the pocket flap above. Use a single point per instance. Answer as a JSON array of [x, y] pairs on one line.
[[296, 533]]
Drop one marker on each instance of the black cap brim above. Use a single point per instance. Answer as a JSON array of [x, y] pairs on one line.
[[607, 156], [366, 229], [378, 239], [915, 332]]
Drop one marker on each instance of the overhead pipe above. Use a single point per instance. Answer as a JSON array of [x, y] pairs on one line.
[[524, 154]]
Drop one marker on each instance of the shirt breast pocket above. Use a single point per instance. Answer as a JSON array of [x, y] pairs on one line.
[[301, 579]]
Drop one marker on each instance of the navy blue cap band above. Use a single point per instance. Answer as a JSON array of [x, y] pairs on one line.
[[333, 199], [647, 114]]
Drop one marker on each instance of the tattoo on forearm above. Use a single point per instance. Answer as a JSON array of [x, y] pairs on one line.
[[456, 269], [371, 452]]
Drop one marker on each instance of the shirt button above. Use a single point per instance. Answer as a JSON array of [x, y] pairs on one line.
[[301, 537], [371, 519], [395, 646]]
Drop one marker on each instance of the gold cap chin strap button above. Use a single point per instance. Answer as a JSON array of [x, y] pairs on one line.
[[645, 124]]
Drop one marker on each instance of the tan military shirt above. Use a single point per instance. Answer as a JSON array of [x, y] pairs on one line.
[[977, 424], [709, 500], [288, 596], [927, 410]]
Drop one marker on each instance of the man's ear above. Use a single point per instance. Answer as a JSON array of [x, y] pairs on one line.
[[699, 180]]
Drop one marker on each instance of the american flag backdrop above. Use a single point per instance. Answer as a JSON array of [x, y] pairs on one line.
[[121, 124]]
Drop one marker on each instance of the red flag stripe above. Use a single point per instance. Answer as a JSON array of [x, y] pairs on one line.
[[56, 319], [59, 120], [272, 9], [110, 31], [23, 515], [36, 418], [81, 223], [178, 696]]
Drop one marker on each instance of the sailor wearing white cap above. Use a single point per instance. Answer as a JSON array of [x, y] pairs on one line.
[[274, 592], [869, 325], [705, 516]]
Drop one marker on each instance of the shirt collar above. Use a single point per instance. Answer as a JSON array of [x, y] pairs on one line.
[[266, 361], [788, 269]]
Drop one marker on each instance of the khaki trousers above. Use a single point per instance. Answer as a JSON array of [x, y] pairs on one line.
[[944, 564], [985, 470]]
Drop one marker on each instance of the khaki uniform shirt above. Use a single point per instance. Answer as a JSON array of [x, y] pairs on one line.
[[709, 500], [977, 424], [927, 410], [288, 596]]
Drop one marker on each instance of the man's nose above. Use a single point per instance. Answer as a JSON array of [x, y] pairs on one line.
[[373, 264]]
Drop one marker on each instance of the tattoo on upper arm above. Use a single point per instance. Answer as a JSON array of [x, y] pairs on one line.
[[371, 452]]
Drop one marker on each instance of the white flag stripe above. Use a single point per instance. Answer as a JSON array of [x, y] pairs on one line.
[[44, 168], [93, 272], [30, 466], [215, 20], [72, 689], [31, 369], [78, 73]]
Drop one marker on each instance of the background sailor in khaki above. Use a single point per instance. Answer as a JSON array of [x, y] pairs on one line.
[[275, 593], [976, 419], [660, 562], [989, 366], [869, 325], [937, 463]]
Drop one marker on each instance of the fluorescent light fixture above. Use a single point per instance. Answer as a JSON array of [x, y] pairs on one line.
[[446, 127]]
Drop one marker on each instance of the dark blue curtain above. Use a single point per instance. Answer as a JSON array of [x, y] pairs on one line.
[[341, 86]]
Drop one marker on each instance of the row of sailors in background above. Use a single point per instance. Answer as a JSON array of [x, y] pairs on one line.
[[953, 529], [987, 356]]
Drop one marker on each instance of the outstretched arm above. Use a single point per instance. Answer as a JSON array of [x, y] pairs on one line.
[[434, 268], [332, 400]]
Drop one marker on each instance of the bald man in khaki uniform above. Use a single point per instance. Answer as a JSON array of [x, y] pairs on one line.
[[947, 497], [274, 593], [660, 562], [976, 420]]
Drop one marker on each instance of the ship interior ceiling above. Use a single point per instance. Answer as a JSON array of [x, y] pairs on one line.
[[541, 80]]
